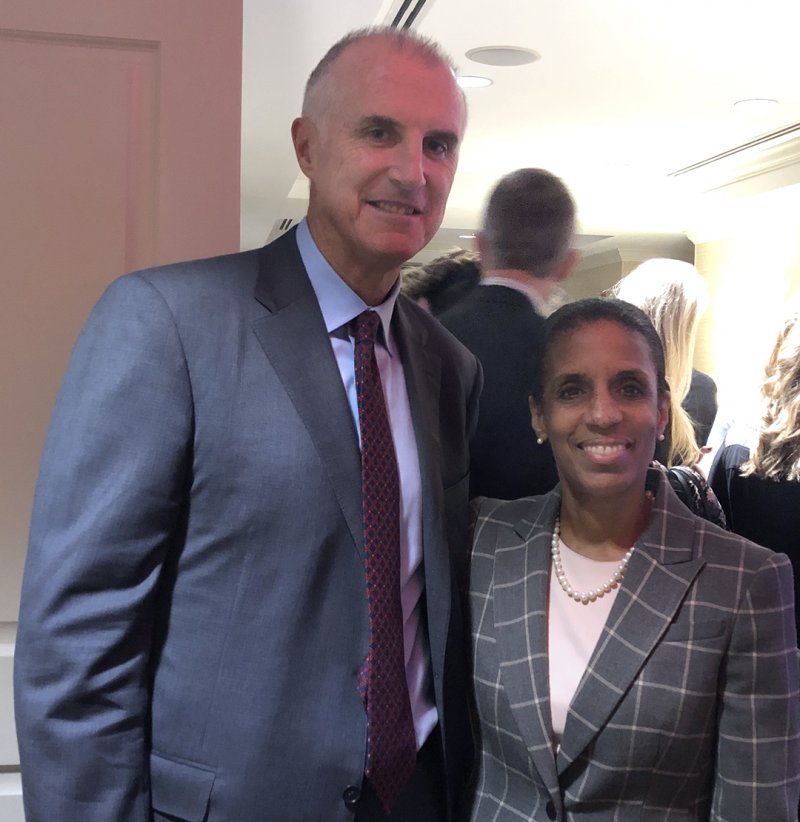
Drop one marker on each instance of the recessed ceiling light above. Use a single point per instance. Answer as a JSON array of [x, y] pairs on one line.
[[472, 81], [755, 105], [503, 55]]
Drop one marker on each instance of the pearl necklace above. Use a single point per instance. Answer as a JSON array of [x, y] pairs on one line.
[[584, 597]]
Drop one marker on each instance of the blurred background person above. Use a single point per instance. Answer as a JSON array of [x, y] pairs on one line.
[[674, 296], [525, 250], [701, 405], [736, 423], [441, 283], [759, 489], [631, 661]]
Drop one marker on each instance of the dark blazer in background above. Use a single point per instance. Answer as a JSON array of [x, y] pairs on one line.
[[689, 709], [194, 610], [501, 327], [763, 510], [701, 404]]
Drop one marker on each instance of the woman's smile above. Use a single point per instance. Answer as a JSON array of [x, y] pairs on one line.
[[606, 451], [601, 410]]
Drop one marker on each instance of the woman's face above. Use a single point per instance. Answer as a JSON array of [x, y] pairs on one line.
[[601, 410]]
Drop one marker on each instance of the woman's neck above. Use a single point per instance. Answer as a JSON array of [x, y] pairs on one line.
[[604, 529]]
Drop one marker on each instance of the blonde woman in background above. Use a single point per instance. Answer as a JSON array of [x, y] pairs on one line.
[[674, 296]]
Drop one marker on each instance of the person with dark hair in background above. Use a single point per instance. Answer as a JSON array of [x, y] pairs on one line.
[[701, 404], [525, 251], [759, 489], [443, 282], [631, 660], [240, 598]]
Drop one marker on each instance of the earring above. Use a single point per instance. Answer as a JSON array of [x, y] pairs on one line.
[[661, 437], [539, 441]]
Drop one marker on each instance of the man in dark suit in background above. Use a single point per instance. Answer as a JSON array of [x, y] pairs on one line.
[[701, 405], [195, 638], [525, 252]]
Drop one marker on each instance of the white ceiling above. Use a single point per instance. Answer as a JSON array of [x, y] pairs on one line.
[[626, 93]]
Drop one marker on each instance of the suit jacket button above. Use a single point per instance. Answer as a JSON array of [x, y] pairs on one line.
[[550, 809], [351, 796]]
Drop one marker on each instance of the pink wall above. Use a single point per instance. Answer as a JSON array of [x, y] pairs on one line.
[[120, 148]]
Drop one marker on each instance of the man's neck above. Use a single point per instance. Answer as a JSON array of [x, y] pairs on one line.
[[542, 287], [372, 279]]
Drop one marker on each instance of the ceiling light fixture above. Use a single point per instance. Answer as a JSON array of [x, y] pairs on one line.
[[466, 236], [473, 81], [755, 105], [503, 55]]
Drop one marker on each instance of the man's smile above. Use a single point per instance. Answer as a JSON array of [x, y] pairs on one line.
[[392, 207]]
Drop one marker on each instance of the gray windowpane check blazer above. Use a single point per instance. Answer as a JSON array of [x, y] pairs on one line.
[[689, 706]]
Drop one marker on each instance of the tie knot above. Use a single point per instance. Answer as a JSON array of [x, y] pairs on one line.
[[366, 326]]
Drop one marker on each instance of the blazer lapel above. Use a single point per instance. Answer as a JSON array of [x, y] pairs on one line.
[[521, 632], [422, 370], [654, 586], [297, 345]]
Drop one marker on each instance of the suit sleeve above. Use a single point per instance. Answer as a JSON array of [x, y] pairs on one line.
[[758, 757], [109, 501]]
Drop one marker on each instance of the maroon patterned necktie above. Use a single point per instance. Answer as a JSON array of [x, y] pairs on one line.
[[391, 740]]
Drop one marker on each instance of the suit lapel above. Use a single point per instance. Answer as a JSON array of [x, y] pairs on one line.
[[297, 346], [422, 371], [654, 586], [521, 632]]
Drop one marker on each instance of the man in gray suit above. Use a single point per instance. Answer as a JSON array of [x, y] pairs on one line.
[[194, 621]]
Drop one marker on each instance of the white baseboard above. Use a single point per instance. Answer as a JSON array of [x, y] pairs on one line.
[[11, 798], [9, 754]]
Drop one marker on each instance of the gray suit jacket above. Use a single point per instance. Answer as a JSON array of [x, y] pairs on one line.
[[688, 709], [194, 609]]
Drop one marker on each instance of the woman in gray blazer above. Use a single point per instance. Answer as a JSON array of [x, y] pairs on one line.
[[631, 660]]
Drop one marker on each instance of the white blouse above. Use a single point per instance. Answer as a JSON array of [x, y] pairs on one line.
[[573, 628]]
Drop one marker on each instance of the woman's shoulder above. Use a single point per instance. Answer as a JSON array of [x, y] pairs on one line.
[[503, 526], [721, 549], [506, 535], [683, 530], [508, 511], [733, 455]]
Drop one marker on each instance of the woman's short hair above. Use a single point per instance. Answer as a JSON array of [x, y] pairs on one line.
[[777, 452], [580, 313]]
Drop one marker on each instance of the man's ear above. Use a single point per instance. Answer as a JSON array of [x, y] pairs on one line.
[[569, 262], [480, 246], [303, 132]]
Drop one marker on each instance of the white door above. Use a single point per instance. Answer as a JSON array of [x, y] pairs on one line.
[[119, 148]]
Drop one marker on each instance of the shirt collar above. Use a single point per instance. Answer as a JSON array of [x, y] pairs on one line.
[[337, 301], [540, 305]]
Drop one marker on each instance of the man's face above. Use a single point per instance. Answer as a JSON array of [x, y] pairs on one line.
[[380, 147]]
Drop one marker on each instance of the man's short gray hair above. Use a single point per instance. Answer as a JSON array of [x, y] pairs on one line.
[[401, 39]]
